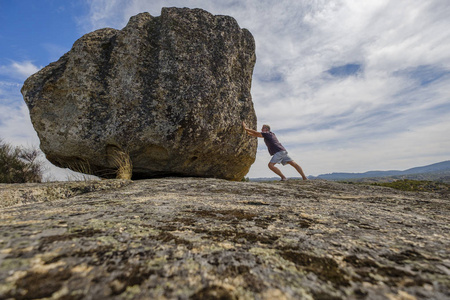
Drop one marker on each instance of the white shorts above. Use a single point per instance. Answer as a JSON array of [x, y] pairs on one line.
[[281, 157]]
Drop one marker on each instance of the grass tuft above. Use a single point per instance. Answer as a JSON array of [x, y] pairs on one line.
[[122, 163]]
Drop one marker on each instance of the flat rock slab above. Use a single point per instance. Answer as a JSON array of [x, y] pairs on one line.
[[190, 238], [13, 194]]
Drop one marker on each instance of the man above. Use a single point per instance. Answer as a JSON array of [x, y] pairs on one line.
[[278, 152]]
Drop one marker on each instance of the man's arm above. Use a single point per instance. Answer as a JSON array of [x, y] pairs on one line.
[[252, 132]]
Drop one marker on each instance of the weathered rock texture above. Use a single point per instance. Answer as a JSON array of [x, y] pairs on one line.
[[13, 194], [172, 91], [184, 238]]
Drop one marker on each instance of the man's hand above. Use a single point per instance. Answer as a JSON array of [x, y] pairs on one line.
[[251, 132]]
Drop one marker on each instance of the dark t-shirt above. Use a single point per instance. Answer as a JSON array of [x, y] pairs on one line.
[[272, 142]]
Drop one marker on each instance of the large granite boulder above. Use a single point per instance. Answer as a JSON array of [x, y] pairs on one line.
[[169, 91]]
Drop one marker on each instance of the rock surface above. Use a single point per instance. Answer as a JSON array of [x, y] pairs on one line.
[[187, 238], [13, 194], [171, 91]]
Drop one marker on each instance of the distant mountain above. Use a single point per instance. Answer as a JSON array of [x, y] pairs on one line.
[[442, 168]]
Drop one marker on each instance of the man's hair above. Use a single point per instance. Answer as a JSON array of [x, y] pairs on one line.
[[267, 126]]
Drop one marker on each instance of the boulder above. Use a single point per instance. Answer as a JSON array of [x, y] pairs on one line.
[[169, 93]]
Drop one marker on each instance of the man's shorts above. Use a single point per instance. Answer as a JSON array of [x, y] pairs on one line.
[[281, 157]]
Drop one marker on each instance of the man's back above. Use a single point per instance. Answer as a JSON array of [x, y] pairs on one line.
[[272, 143]]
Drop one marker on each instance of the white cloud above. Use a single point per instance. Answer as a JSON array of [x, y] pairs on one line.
[[19, 70], [15, 125], [8, 90]]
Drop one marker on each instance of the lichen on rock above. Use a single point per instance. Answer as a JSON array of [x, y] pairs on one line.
[[196, 238], [171, 91]]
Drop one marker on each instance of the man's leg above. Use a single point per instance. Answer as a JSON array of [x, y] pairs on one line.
[[276, 170], [298, 168]]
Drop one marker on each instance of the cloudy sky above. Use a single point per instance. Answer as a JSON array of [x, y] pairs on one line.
[[347, 85]]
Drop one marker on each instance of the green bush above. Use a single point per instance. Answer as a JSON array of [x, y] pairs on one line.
[[19, 165]]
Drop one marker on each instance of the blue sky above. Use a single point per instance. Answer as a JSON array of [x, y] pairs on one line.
[[346, 85]]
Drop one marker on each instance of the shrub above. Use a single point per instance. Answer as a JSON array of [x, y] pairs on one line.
[[19, 165]]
